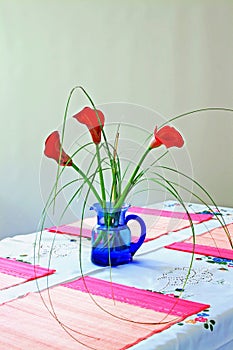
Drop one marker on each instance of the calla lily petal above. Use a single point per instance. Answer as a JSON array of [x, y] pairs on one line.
[[94, 120], [53, 150], [167, 136]]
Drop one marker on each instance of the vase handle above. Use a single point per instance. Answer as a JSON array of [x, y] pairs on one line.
[[134, 246]]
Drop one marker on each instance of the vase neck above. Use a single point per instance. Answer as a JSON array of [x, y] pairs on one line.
[[110, 216]]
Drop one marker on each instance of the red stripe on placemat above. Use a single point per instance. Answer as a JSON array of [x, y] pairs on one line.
[[23, 270], [71, 230], [171, 214], [138, 297], [75, 231], [202, 250]]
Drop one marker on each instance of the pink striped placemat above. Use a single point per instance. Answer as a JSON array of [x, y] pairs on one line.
[[171, 214], [158, 223], [100, 324], [138, 297], [161, 222], [13, 272], [211, 243]]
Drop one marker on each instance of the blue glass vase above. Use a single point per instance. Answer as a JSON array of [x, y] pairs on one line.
[[111, 237]]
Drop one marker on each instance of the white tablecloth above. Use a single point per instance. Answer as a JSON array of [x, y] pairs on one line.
[[154, 268]]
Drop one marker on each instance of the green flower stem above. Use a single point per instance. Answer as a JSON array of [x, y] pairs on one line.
[[88, 182], [111, 158], [195, 111], [98, 239], [107, 239], [114, 192], [113, 163], [101, 177], [121, 200]]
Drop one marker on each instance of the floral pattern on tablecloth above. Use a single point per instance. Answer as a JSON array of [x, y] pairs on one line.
[[205, 270]]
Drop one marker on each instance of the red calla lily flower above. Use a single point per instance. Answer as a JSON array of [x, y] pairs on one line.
[[167, 136], [88, 116], [53, 150]]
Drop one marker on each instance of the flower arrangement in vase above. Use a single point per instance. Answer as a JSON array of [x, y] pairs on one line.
[[111, 237]]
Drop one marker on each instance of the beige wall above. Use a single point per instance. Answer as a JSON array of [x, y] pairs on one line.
[[170, 56]]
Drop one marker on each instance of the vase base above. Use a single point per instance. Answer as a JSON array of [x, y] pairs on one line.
[[104, 257]]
